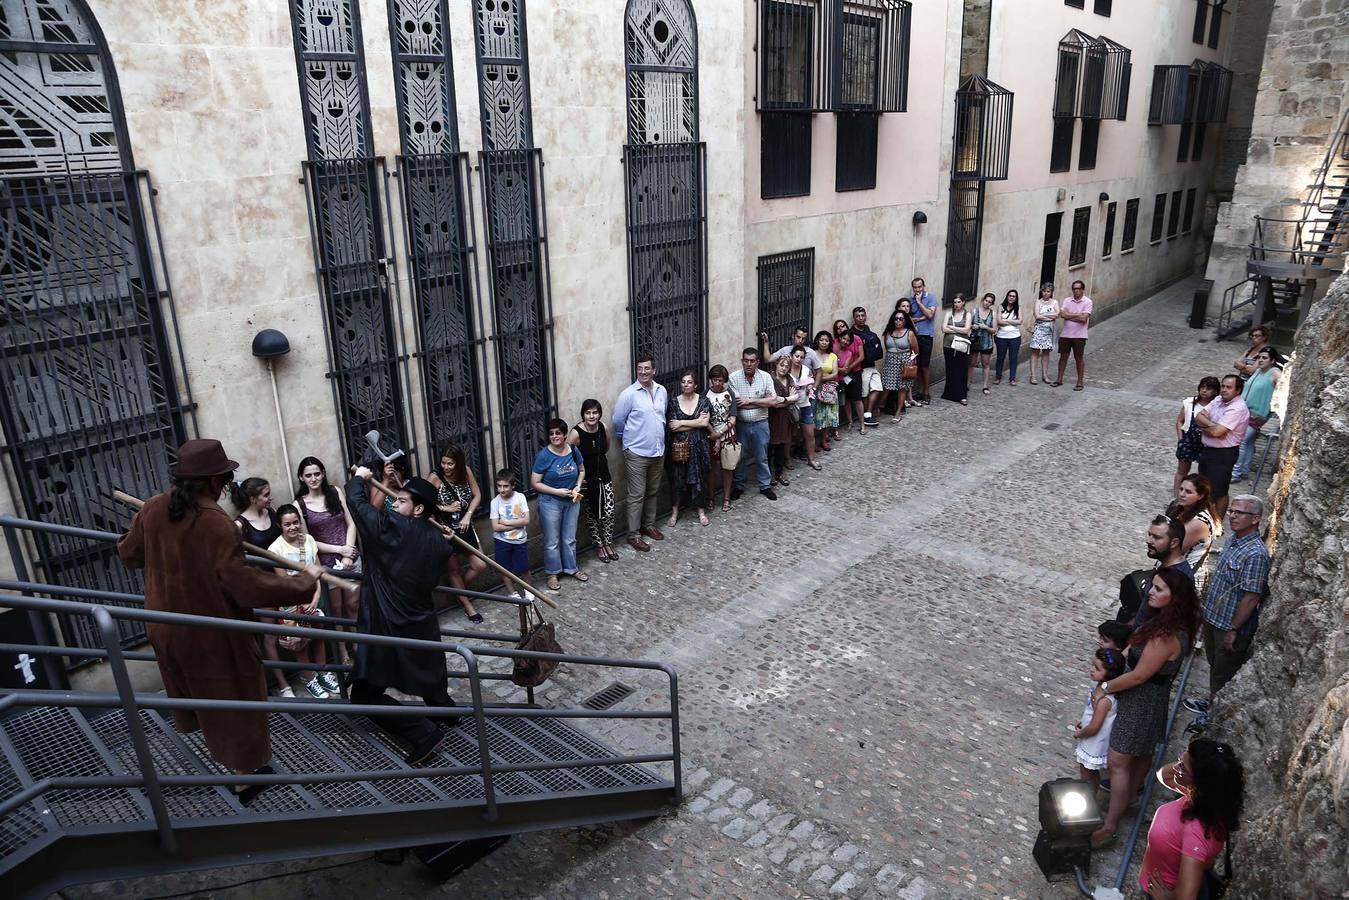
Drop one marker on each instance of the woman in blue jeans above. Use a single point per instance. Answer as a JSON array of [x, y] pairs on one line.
[[1008, 336], [556, 476]]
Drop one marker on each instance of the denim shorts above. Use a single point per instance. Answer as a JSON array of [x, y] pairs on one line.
[[807, 414]]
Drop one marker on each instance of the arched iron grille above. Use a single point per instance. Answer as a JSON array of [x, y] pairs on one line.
[[343, 180], [516, 230], [88, 395], [433, 177], [666, 174], [980, 153]]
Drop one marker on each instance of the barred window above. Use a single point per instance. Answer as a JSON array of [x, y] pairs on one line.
[[1216, 24], [860, 61], [1061, 148], [855, 160], [1200, 21], [786, 55], [1126, 240], [784, 154], [1158, 218], [1197, 144], [1173, 224], [1187, 224], [1091, 136], [1101, 7], [786, 294], [1108, 243], [1077, 250]]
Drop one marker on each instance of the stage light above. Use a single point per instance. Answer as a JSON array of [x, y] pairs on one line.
[[1068, 815]]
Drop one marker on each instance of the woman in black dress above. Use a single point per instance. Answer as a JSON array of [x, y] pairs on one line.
[[458, 498], [689, 416], [1156, 652], [590, 437], [253, 498]]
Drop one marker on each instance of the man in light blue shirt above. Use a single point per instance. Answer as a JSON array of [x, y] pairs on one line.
[[925, 308], [639, 425]]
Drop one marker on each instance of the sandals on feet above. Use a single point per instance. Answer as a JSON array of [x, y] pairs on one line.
[[580, 576], [985, 390], [1079, 387], [726, 506], [816, 466], [553, 583], [702, 518]]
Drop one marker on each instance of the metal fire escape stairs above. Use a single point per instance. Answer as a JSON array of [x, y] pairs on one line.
[[98, 785], [1288, 256]]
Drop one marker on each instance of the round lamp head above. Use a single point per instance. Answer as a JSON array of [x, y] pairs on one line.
[[270, 343], [920, 218]]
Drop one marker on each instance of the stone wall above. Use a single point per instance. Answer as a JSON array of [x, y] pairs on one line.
[[1248, 27], [1287, 711], [1299, 103]]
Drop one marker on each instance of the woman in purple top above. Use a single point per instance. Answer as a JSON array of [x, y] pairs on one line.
[[325, 518]]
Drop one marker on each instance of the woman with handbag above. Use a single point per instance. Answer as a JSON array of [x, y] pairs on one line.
[[804, 378], [956, 346], [724, 449], [982, 338], [590, 436], [900, 364], [826, 393], [689, 417]]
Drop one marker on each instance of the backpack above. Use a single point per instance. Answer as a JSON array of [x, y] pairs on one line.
[[871, 346], [1133, 591]]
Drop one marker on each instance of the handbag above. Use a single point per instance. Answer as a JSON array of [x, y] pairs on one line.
[[540, 637], [679, 451], [828, 392], [730, 455], [960, 344], [910, 370]]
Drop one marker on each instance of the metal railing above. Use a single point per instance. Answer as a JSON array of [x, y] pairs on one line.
[[153, 783]]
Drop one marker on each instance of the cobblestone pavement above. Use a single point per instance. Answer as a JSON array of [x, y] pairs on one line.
[[878, 671]]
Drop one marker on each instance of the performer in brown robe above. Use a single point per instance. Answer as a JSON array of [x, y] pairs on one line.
[[194, 563]]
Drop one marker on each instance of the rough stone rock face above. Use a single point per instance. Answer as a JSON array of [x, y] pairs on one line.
[[1287, 711]]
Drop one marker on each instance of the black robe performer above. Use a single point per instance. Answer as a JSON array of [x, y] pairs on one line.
[[405, 557]]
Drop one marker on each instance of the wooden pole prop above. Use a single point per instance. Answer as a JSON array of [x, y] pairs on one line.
[[279, 561], [465, 545]]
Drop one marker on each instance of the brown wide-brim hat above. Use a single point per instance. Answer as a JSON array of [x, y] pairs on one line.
[[202, 458]]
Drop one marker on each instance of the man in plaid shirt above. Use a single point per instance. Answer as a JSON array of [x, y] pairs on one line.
[[1232, 603]]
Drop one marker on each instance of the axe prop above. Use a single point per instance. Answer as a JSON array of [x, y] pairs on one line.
[[372, 438], [279, 561]]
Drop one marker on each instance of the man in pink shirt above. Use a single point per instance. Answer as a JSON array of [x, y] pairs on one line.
[[1075, 313], [1224, 423]]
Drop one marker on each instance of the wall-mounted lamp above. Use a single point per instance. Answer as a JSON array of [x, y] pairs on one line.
[[269, 344], [920, 218], [1104, 197], [1062, 195]]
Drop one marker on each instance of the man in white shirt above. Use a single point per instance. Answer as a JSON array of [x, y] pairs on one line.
[[639, 424]]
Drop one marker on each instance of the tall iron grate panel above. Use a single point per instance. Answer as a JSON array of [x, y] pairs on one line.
[[516, 228], [665, 169], [981, 153], [343, 181], [786, 294], [433, 179], [89, 398]]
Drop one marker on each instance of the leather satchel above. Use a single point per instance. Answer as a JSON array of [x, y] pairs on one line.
[[541, 637], [910, 370]]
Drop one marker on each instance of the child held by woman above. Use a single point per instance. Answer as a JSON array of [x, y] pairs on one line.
[[1098, 716]]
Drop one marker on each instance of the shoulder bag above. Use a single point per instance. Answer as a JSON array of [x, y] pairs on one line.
[[730, 455], [959, 343], [540, 637], [910, 370]]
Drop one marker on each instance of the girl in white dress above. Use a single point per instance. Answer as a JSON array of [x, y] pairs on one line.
[[1098, 717]]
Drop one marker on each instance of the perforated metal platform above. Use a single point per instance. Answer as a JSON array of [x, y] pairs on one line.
[[69, 836]]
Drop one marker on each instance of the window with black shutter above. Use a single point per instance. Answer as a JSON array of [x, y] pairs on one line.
[[1061, 149], [1076, 4], [1173, 224], [1091, 136], [1197, 143], [1183, 145], [1130, 232], [1108, 242], [1187, 224], [1077, 250], [855, 157], [1200, 21], [1215, 25], [1101, 7], [784, 154], [1158, 219]]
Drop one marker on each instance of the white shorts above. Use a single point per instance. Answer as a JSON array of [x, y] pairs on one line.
[[871, 381]]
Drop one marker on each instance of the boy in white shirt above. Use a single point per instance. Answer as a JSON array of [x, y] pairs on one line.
[[510, 527]]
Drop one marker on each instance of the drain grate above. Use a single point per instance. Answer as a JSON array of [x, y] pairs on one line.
[[609, 696], [1052, 426]]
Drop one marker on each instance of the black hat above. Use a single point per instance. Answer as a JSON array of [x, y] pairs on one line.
[[422, 492]]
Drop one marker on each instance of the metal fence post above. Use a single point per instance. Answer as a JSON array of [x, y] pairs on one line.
[[135, 728], [484, 752]]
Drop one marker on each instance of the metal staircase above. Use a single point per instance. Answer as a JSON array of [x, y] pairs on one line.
[[1288, 256], [99, 785]]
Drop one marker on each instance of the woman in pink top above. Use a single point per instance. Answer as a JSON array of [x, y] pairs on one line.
[[1187, 835]]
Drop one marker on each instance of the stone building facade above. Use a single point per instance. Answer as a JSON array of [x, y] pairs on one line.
[[585, 229]]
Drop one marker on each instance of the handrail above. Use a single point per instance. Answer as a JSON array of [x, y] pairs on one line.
[[130, 702]]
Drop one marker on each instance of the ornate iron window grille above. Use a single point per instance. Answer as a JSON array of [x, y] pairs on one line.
[[1091, 82], [1077, 246], [353, 266], [665, 173], [1169, 101], [870, 42], [981, 153], [1130, 232], [89, 396], [786, 294], [515, 224], [437, 219], [1197, 93]]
